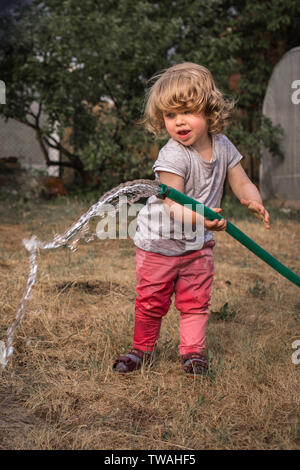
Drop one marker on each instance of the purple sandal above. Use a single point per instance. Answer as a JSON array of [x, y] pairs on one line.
[[132, 361], [194, 364]]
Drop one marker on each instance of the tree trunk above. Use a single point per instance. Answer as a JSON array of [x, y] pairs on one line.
[[74, 163]]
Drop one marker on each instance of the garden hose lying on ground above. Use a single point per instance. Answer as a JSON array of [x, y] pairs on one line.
[[180, 198]]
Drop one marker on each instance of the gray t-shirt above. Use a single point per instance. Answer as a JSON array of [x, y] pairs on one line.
[[203, 181]]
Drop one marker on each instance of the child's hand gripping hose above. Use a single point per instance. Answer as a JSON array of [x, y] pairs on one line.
[[180, 198]]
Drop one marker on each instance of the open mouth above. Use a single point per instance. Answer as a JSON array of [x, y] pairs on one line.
[[183, 132]]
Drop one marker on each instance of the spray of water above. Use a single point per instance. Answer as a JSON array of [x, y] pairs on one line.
[[134, 190]]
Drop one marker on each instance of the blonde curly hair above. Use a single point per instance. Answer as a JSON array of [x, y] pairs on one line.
[[185, 86]]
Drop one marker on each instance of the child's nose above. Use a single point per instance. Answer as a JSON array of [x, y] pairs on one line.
[[180, 119]]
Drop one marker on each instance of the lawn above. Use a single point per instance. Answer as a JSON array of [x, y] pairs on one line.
[[59, 391]]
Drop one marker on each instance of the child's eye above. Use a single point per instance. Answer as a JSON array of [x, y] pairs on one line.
[[187, 112], [170, 115]]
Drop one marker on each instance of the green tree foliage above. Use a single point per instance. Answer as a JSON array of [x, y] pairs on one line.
[[86, 65]]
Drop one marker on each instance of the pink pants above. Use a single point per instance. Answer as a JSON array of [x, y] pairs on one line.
[[188, 276]]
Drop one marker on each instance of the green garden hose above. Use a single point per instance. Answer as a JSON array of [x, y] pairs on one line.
[[180, 198]]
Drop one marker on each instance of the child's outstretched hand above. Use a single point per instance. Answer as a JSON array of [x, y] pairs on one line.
[[258, 210]]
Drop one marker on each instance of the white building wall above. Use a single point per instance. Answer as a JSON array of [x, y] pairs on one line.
[[281, 179]]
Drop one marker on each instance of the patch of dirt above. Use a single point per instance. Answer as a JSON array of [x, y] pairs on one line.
[[5, 266], [16, 422], [92, 287]]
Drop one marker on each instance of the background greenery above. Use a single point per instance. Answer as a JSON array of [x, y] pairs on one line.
[[87, 64]]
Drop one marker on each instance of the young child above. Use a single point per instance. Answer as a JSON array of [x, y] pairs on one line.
[[184, 103]]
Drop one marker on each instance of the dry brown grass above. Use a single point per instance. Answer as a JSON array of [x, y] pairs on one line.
[[59, 391]]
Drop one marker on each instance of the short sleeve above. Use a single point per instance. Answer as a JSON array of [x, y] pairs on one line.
[[172, 158], [233, 155]]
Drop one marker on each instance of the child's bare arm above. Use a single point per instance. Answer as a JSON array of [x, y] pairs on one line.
[[247, 193], [180, 213]]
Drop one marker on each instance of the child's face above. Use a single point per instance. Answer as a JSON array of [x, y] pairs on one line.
[[186, 127]]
